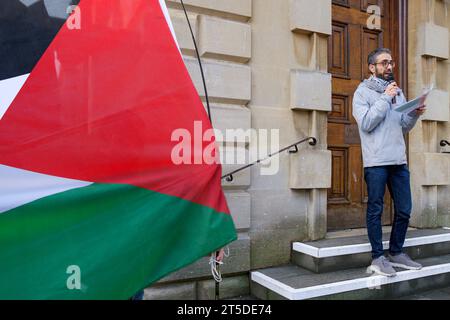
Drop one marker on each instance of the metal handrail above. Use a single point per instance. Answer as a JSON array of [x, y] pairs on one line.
[[312, 142], [445, 143]]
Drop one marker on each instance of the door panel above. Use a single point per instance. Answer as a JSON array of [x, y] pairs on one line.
[[339, 50], [348, 46]]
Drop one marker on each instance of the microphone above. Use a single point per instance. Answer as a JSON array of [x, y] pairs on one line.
[[391, 79]]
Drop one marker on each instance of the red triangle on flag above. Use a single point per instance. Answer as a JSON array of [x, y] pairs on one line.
[[103, 101]]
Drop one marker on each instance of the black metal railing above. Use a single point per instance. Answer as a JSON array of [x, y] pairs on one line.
[[445, 143], [312, 142]]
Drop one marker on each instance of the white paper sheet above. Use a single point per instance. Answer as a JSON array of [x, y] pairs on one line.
[[411, 106]]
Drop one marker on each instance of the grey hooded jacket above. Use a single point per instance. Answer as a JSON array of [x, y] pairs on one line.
[[380, 127]]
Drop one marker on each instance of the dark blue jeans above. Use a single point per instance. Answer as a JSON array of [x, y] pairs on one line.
[[397, 179]]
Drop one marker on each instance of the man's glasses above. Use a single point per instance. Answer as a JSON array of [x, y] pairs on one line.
[[386, 63]]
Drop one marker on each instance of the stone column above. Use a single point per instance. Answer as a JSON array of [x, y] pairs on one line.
[[428, 64], [310, 101]]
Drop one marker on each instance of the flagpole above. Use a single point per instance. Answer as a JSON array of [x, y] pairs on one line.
[[217, 287], [199, 61], [216, 264]]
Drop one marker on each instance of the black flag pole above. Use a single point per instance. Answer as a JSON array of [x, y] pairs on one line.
[[199, 61], [217, 283], [216, 264]]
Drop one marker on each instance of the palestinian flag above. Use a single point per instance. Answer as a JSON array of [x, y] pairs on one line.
[[88, 188]]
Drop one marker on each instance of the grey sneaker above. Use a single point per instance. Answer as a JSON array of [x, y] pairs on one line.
[[381, 266], [404, 261]]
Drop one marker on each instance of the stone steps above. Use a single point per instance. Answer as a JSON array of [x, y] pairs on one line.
[[294, 283], [352, 252], [436, 294], [336, 269]]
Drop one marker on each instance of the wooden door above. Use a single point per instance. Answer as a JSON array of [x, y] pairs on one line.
[[348, 47]]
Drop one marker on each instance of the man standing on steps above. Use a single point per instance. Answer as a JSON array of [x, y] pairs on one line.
[[384, 155]]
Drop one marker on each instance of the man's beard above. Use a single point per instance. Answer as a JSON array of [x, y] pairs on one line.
[[389, 76]]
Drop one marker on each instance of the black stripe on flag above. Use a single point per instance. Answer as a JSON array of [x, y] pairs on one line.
[[27, 27]]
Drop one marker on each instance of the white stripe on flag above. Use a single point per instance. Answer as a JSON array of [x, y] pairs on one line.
[[169, 21], [19, 187], [9, 89]]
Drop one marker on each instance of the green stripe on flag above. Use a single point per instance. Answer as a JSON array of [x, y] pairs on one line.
[[121, 237]]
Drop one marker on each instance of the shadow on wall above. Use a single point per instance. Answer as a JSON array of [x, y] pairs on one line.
[[27, 28]]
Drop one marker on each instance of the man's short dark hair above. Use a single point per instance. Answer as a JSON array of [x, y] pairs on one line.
[[372, 58]]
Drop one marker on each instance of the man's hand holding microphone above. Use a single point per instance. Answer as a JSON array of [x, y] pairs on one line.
[[392, 89]]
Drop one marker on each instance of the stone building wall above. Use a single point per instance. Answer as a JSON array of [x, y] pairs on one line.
[[266, 68], [428, 51]]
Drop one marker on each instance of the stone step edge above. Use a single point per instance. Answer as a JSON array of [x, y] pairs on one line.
[[372, 282], [364, 247]]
